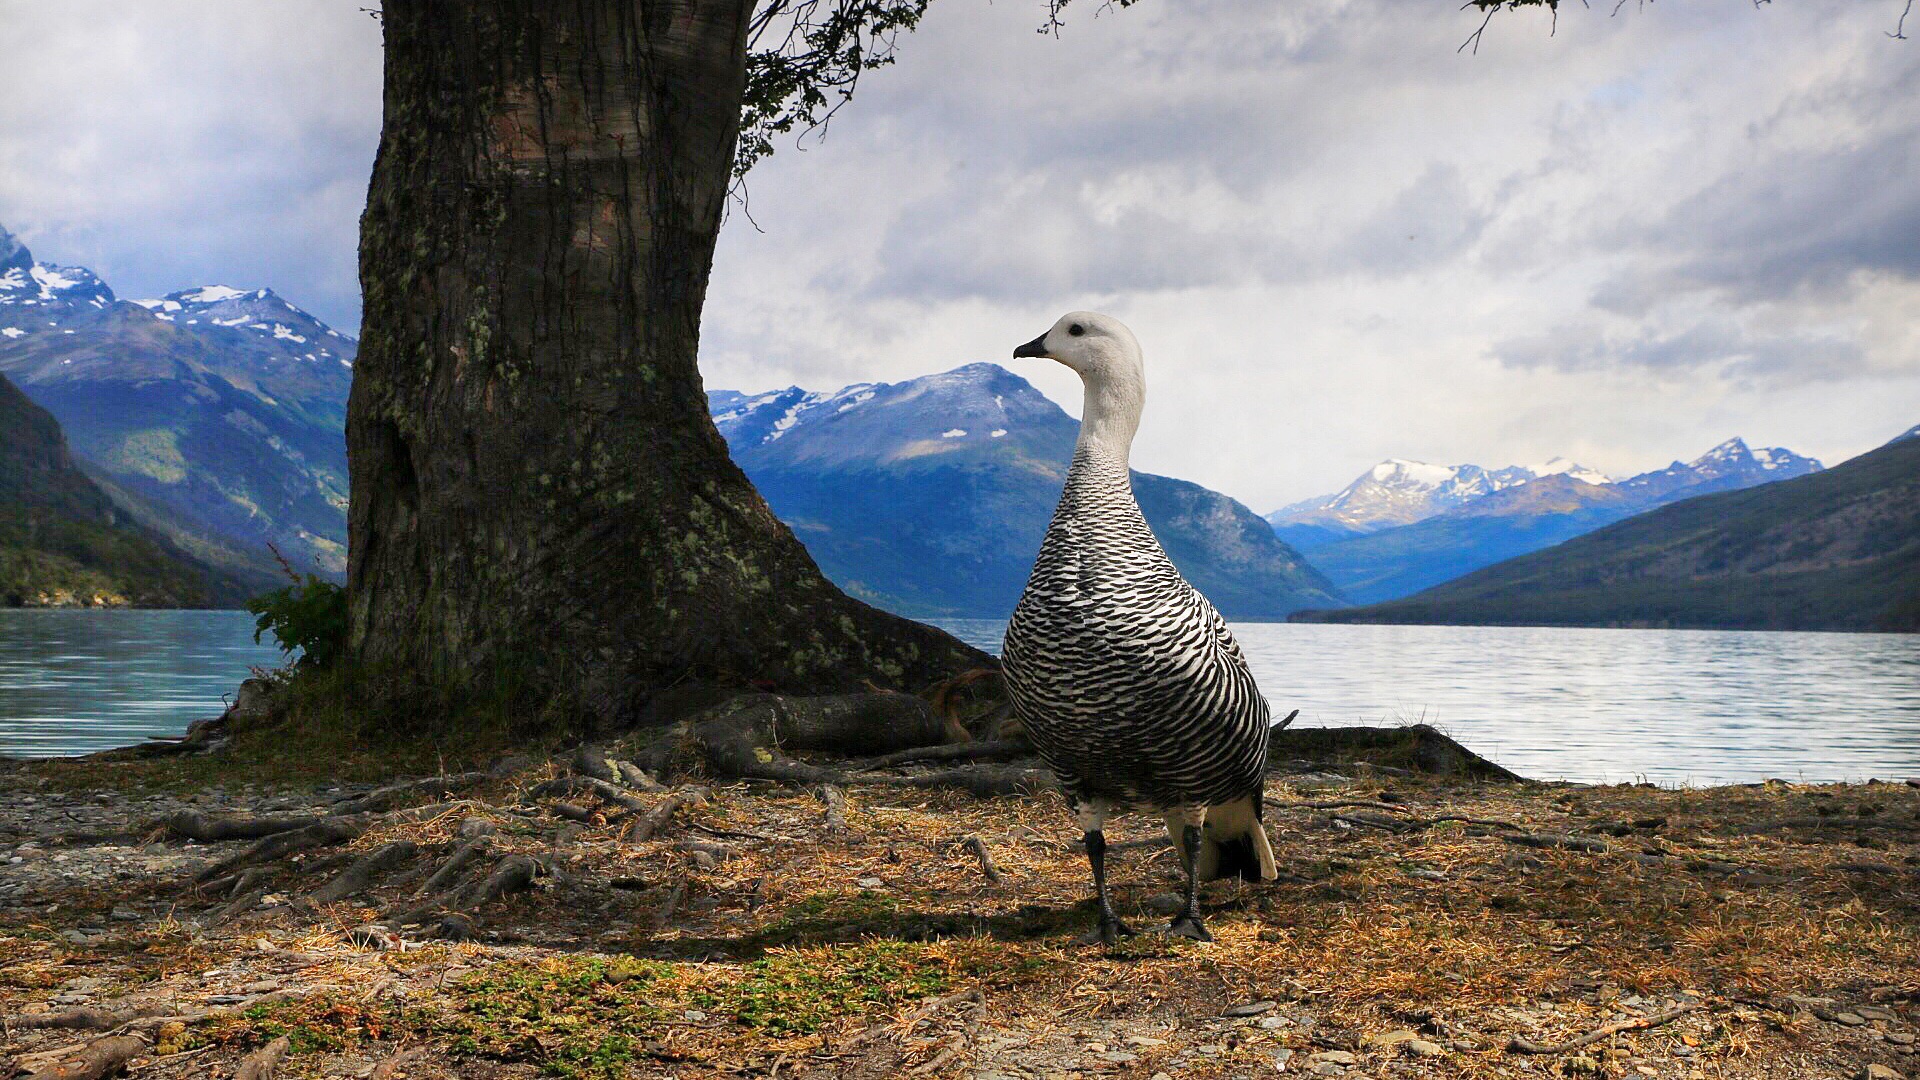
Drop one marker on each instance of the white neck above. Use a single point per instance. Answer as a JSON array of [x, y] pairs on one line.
[[1110, 413]]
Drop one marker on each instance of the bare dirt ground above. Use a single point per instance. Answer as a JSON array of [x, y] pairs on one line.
[[1423, 928]]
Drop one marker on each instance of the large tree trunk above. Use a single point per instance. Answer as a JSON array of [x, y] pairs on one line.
[[538, 492]]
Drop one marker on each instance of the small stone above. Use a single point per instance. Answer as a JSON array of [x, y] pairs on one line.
[[1850, 1019], [1877, 1071], [1165, 903], [1422, 1048], [694, 1015], [1145, 1040], [871, 883], [1646, 1070], [1900, 1038], [1274, 1023], [1336, 1057], [1251, 1008], [1095, 1048], [1875, 1012], [1162, 1076], [1280, 1060], [1117, 1057], [1327, 1068], [1392, 1038]]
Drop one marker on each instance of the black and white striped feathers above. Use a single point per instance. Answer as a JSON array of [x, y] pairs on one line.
[[1127, 680]]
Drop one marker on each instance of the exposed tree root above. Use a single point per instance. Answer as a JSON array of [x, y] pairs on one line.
[[449, 872], [512, 874], [985, 781], [263, 1063], [82, 1019], [321, 833], [94, 1060], [437, 787], [997, 750], [211, 828], [360, 876], [648, 825]]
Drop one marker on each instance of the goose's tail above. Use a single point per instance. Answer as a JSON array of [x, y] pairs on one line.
[[1233, 843]]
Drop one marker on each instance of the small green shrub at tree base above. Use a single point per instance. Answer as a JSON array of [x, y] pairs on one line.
[[309, 617]]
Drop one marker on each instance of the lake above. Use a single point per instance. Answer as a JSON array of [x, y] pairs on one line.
[[77, 681], [1671, 706], [1694, 707]]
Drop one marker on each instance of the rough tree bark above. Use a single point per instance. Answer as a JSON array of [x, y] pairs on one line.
[[537, 490]]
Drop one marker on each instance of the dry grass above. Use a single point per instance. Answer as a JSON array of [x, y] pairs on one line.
[[796, 948]]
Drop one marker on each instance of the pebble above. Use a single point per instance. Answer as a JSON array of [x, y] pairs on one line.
[[1850, 1019], [1878, 1072], [1334, 1057], [1274, 1023], [1280, 1059], [1328, 1068], [1392, 1038], [1145, 1040], [1900, 1038], [1874, 1012], [1251, 1008], [1423, 1048], [1117, 1057], [871, 883]]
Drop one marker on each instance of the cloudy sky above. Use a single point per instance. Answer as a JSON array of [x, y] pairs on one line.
[[1338, 238]]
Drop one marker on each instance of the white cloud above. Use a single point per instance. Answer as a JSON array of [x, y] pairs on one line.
[[1339, 239]]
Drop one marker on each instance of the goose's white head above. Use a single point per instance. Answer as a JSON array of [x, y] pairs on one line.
[[1104, 353], [1092, 344]]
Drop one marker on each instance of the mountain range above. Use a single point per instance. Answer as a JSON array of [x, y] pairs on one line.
[[929, 497], [1832, 550], [214, 416], [1405, 526]]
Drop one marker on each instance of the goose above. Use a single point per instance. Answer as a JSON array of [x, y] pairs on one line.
[[1127, 680]]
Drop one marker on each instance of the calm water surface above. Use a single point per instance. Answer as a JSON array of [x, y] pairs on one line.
[[1670, 706], [76, 681]]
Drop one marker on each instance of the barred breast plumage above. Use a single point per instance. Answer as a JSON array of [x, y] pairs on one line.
[[1126, 678]]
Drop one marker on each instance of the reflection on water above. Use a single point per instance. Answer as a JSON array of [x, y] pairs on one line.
[[1670, 706], [76, 681]]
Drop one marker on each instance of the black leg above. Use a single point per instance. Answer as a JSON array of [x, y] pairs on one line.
[[1111, 928], [1187, 923]]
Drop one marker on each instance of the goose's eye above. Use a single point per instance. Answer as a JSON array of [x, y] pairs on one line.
[[1076, 329]]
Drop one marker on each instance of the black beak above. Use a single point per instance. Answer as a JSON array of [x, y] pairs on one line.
[[1036, 347]]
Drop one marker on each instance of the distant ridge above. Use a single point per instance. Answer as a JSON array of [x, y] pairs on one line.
[[1832, 550], [1484, 517]]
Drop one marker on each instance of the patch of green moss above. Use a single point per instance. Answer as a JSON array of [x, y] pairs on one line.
[[791, 993], [575, 1017]]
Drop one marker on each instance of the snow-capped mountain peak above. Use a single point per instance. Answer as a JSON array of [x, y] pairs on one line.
[[1559, 466]]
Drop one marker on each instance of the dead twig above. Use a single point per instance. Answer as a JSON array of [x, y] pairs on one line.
[[979, 849], [1527, 1046]]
